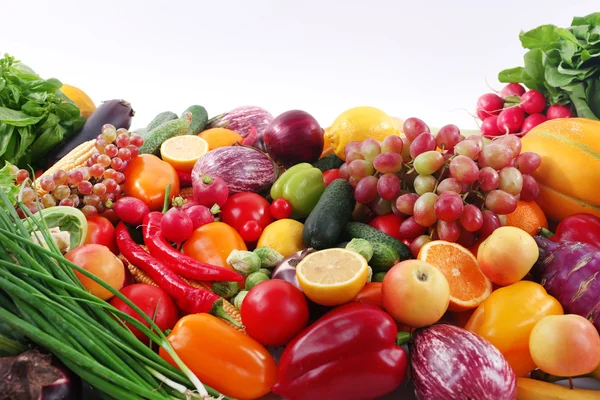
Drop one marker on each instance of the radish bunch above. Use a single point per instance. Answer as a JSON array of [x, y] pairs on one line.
[[516, 111]]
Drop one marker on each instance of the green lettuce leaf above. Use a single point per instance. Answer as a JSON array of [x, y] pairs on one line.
[[7, 183]]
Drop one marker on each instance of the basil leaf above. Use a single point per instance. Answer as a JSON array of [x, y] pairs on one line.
[[49, 85], [39, 97], [24, 72], [511, 75], [67, 111], [592, 94], [50, 137], [2, 84], [34, 109], [543, 37], [6, 132], [11, 149], [26, 138], [17, 118]]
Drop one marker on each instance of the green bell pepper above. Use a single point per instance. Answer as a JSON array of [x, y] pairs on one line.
[[302, 185]]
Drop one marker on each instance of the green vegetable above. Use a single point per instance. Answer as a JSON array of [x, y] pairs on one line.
[[254, 279], [225, 289], [160, 119], [302, 185], [244, 262], [34, 115], [378, 277], [363, 231], [239, 299], [563, 64], [169, 129], [7, 183], [199, 119], [384, 257], [269, 258], [266, 271], [362, 247], [69, 219], [370, 275], [329, 162]]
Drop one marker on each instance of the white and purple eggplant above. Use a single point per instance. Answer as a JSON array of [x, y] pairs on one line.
[[242, 168], [242, 119], [451, 363]]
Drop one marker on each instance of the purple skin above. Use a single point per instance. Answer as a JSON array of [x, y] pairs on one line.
[[243, 169], [570, 271], [448, 362], [242, 119]]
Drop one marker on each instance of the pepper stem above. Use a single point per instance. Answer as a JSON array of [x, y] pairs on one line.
[[545, 233], [218, 311], [166, 201], [206, 179], [403, 338]]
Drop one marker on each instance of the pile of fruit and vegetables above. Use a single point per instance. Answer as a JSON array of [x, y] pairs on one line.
[[243, 255]]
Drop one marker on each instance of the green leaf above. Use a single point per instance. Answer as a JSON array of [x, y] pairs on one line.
[[534, 69], [556, 79], [17, 118], [7, 183], [543, 37], [26, 139], [580, 32], [579, 73], [49, 85], [50, 137], [34, 109], [39, 97], [567, 35], [592, 19], [585, 55], [67, 111], [592, 94], [6, 132], [567, 52], [11, 149], [579, 100], [2, 84], [511, 75], [16, 93], [24, 72], [594, 36]]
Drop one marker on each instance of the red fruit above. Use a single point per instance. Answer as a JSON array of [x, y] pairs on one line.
[[533, 102], [489, 104], [489, 127], [510, 120], [210, 190], [388, 224], [512, 89], [532, 121], [558, 111], [176, 226]]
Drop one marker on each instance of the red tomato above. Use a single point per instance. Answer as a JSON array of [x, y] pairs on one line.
[[153, 301], [370, 294], [281, 209], [274, 312], [243, 207], [388, 224], [101, 231], [251, 231], [330, 176]]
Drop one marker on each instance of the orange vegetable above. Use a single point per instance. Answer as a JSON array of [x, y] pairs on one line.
[[147, 176], [221, 357], [220, 137], [371, 294], [212, 243]]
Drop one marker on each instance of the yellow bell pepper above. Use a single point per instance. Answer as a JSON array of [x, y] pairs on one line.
[[506, 319]]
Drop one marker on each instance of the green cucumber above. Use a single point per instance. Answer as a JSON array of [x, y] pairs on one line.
[[329, 162], [324, 225], [169, 129], [199, 119], [384, 257], [160, 119], [363, 231]]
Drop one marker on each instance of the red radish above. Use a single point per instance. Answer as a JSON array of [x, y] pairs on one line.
[[200, 215], [185, 178], [512, 89], [131, 210], [532, 121], [489, 104], [510, 120], [189, 202], [448, 362], [210, 190], [557, 111], [533, 102], [489, 126], [176, 226]]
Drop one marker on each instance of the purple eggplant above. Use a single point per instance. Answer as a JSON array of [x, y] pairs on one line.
[[116, 112]]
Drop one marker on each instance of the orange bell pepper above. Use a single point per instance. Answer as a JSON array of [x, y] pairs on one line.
[[371, 294], [147, 176], [507, 317], [221, 357], [212, 243]]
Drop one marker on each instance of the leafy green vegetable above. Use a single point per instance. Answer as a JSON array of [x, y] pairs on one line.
[[34, 115], [7, 184], [563, 63]]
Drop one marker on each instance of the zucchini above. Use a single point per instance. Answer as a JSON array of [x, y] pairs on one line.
[[329, 162], [324, 225], [199, 119], [169, 129], [363, 231], [160, 119], [384, 257]]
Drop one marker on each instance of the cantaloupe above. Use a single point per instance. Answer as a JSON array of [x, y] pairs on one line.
[[569, 176]]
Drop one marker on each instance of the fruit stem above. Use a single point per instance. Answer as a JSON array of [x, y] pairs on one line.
[[403, 338], [166, 201], [437, 182], [206, 179], [545, 233]]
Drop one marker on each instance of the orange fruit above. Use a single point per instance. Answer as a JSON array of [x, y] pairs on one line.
[[182, 152], [528, 216], [220, 137], [468, 285]]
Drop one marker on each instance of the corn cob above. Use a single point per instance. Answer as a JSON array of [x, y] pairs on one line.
[[187, 191], [74, 159], [140, 276]]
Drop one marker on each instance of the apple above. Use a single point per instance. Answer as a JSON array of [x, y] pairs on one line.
[[507, 255], [565, 345], [415, 293]]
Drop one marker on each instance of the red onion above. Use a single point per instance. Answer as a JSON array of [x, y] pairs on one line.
[[242, 168], [286, 270], [294, 137], [451, 363]]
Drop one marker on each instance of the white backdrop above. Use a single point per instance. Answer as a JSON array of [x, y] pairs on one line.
[[428, 59]]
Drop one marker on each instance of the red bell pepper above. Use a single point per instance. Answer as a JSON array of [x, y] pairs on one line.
[[579, 228], [349, 354]]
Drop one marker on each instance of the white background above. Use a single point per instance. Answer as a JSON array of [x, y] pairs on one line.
[[429, 59]]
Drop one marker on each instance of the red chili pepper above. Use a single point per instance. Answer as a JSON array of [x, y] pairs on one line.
[[180, 263], [363, 363], [185, 178], [582, 227], [188, 298]]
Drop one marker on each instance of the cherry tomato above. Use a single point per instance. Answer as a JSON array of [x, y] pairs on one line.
[[388, 224], [370, 294], [330, 176], [251, 231], [274, 312], [147, 177], [281, 209], [153, 301], [246, 206], [101, 231]]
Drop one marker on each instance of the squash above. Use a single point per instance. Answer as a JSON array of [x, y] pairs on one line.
[[569, 176], [81, 100]]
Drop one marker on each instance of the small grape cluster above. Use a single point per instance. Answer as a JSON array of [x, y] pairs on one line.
[[96, 186], [445, 186]]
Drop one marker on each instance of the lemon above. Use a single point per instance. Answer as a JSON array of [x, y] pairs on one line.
[[333, 276], [182, 152], [80, 98], [358, 124], [283, 236]]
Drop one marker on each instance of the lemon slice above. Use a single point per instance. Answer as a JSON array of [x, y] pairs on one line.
[[182, 152], [333, 276]]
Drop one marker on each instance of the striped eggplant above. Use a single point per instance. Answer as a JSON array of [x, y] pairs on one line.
[[242, 119], [243, 168], [451, 363]]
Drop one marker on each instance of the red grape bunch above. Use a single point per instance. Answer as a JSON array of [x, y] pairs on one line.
[[445, 186]]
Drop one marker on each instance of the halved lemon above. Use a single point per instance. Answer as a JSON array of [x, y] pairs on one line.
[[182, 152], [333, 276]]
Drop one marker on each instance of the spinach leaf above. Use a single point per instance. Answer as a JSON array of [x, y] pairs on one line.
[[533, 73], [592, 19], [543, 37], [511, 75], [17, 118], [592, 94]]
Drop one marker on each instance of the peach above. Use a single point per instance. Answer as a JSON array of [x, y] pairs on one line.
[[100, 261]]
